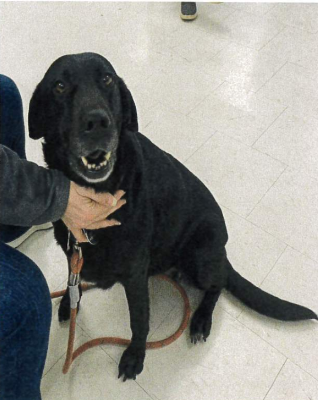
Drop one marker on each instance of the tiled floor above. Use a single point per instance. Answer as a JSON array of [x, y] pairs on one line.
[[233, 95]]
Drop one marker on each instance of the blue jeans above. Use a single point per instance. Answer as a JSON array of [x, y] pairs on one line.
[[25, 304]]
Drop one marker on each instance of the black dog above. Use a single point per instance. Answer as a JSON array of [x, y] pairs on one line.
[[171, 220]]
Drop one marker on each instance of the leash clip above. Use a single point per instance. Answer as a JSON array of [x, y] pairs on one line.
[[77, 248], [74, 278], [74, 295]]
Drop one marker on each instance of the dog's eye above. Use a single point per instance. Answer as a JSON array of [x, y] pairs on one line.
[[107, 80], [59, 87]]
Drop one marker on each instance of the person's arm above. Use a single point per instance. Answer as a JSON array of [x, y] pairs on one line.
[[30, 194]]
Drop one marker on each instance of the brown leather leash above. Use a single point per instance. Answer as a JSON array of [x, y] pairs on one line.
[[73, 286]]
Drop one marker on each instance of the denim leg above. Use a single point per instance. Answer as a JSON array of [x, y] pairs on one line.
[[25, 310], [12, 135], [11, 121]]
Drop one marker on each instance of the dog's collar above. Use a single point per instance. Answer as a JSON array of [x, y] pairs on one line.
[[88, 234]]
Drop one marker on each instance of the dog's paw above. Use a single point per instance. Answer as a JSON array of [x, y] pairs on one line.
[[200, 327], [64, 309], [131, 363], [64, 312]]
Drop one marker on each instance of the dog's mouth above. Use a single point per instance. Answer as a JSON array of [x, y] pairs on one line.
[[96, 166], [96, 161]]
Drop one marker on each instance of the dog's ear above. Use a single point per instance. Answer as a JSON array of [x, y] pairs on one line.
[[36, 113], [130, 118]]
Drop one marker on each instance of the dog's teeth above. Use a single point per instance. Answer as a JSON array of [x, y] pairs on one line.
[[103, 163], [98, 167], [89, 166], [85, 162], [108, 155], [93, 166]]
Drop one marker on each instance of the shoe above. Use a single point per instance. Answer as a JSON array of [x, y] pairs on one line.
[[18, 241], [188, 11]]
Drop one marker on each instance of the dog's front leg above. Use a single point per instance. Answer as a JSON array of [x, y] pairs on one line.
[[64, 311], [132, 360]]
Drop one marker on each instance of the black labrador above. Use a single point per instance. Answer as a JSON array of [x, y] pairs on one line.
[[171, 221]]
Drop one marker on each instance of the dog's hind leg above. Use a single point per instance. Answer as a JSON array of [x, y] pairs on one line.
[[202, 318], [204, 262], [210, 277]]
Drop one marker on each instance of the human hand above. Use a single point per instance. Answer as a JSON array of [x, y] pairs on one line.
[[87, 209]]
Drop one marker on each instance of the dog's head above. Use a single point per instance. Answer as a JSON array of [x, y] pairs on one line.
[[81, 107]]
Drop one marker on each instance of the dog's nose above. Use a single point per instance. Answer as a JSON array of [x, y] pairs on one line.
[[96, 120]]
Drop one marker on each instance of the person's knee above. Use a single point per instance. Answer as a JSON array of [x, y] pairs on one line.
[[22, 288], [10, 95], [7, 83]]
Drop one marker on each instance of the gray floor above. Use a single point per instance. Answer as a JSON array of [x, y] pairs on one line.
[[234, 96]]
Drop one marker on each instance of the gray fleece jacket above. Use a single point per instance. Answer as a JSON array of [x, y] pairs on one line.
[[30, 194]]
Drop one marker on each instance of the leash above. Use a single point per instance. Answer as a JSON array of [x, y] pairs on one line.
[[74, 292]]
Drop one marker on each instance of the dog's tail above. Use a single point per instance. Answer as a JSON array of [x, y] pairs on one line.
[[263, 302]]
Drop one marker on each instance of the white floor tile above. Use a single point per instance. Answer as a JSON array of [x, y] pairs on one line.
[[237, 176], [239, 64], [251, 251], [193, 44], [93, 375], [292, 140], [303, 16], [294, 279], [59, 339], [251, 30], [254, 8], [181, 137], [293, 383], [294, 45], [182, 91], [289, 211], [238, 112], [50, 259], [203, 371], [293, 86]]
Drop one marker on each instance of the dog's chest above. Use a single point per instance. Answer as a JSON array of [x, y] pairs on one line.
[[106, 263], [99, 271]]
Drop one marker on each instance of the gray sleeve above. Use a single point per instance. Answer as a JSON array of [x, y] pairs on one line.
[[30, 194]]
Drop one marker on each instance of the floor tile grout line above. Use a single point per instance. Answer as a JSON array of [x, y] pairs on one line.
[[205, 97], [164, 320], [285, 26], [267, 232], [275, 73], [282, 241], [53, 365], [275, 379], [273, 184], [255, 333], [137, 383], [248, 146], [274, 37], [188, 158], [220, 51], [315, 80], [271, 9], [273, 267], [306, 372], [64, 354], [282, 31]]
